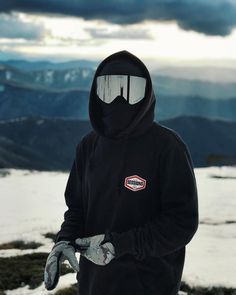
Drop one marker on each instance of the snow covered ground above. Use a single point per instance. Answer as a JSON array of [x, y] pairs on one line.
[[32, 203]]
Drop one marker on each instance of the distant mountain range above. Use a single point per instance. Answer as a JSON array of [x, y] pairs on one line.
[[49, 144], [29, 66], [44, 113], [207, 82], [64, 93], [174, 106], [37, 143], [55, 80], [215, 74], [19, 102]]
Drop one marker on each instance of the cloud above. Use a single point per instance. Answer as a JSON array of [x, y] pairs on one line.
[[12, 27], [210, 17], [121, 33]]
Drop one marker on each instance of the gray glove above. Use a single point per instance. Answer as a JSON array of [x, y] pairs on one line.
[[61, 251], [97, 249]]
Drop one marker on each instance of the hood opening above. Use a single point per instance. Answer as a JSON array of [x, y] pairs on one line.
[[144, 116]]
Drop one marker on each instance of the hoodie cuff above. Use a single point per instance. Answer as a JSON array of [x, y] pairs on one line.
[[124, 243]]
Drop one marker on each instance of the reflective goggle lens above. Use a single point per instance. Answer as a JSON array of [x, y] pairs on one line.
[[132, 88]]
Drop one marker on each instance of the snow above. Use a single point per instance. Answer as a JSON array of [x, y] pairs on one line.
[[19, 119], [2, 87], [85, 73], [8, 75], [211, 255], [67, 77], [40, 122], [74, 74], [64, 282], [32, 203], [48, 76]]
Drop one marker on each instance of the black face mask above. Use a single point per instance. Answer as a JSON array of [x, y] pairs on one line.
[[117, 115]]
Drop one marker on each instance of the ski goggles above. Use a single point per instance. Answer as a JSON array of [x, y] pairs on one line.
[[131, 88]]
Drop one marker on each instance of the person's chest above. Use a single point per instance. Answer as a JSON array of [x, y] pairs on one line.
[[121, 181]]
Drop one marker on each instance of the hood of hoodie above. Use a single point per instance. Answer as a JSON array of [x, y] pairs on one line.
[[144, 116]]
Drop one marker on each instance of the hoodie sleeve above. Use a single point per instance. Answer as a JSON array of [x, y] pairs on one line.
[[73, 224], [177, 223]]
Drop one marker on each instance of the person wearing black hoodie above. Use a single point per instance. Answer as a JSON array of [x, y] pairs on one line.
[[131, 189]]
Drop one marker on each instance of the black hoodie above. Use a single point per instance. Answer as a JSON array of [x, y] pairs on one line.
[[140, 189]]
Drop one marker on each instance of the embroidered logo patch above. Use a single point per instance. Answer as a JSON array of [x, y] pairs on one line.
[[135, 183]]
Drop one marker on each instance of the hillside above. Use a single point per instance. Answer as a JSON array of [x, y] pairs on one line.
[[49, 144], [24, 100]]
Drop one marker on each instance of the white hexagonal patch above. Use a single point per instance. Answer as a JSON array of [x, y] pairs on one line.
[[135, 183]]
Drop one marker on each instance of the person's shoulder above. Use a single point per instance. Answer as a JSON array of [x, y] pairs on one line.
[[172, 142], [168, 137], [89, 137], [87, 140]]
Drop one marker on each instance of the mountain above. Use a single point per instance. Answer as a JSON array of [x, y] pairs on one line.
[[38, 143], [177, 86], [26, 65], [170, 106], [77, 75], [62, 91], [47, 79], [216, 74], [211, 142], [21, 101], [49, 144]]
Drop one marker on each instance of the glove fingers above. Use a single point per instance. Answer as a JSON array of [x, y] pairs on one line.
[[77, 247], [52, 271], [70, 256], [83, 242]]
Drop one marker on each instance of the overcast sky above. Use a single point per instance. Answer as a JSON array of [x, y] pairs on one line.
[[175, 32]]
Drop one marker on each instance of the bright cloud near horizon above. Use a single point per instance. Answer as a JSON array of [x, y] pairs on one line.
[[46, 36]]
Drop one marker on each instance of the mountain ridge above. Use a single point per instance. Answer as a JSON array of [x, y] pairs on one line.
[[21, 101], [49, 143]]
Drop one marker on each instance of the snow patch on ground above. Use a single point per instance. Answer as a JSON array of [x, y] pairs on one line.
[[64, 282], [32, 203]]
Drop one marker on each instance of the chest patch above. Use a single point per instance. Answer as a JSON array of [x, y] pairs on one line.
[[135, 183]]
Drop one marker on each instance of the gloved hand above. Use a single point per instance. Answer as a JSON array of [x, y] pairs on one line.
[[99, 249], [61, 251]]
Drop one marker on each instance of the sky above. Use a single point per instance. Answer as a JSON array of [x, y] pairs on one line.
[[180, 32]]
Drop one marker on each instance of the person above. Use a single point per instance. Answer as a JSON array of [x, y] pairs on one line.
[[131, 194]]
